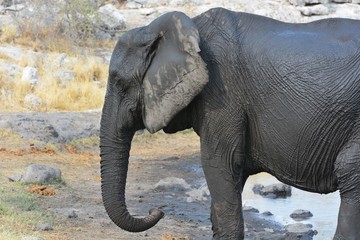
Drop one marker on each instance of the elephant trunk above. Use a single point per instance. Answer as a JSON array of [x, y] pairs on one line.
[[114, 151]]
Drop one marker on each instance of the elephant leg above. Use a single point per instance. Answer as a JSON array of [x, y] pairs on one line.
[[347, 168], [226, 206]]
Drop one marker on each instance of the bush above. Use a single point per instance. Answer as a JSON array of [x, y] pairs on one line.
[[56, 25]]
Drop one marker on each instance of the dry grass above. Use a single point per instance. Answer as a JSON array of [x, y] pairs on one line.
[[172, 237], [147, 145], [85, 91], [8, 33], [20, 210]]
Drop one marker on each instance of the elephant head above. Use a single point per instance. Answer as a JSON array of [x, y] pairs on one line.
[[155, 72]]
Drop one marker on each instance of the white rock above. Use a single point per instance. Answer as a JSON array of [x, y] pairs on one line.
[[30, 75], [315, 10], [172, 184], [111, 17], [199, 194]]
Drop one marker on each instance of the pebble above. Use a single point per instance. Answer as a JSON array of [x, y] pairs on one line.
[[43, 227]]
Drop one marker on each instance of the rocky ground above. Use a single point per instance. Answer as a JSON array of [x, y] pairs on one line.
[[164, 172]]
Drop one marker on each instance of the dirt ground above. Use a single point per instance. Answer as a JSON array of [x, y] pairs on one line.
[[153, 158]]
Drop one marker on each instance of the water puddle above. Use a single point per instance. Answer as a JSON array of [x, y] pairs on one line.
[[324, 207]]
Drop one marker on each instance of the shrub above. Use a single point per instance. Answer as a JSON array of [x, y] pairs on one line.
[[56, 25]]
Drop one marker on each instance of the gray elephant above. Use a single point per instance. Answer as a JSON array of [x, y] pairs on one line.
[[263, 95]]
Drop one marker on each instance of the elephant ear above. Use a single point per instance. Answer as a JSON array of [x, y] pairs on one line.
[[176, 74]]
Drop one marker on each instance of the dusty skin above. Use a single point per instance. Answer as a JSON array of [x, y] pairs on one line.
[[154, 157]]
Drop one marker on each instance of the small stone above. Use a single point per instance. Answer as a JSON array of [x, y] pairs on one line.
[[72, 214], [44, 227], [267, 213], [269, 230], [315, 10], [341, 1], [250, 209], [30, 75], [301, 214], [278, 190], [257, 188], [300, 229], [306, 2], [172, 184]]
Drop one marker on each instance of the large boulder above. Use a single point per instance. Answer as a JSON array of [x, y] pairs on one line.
[[111, 19]]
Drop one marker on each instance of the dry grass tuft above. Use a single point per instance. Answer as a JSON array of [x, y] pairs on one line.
[[8, 33]]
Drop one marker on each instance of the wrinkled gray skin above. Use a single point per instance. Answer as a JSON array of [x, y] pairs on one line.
[[263, 95]]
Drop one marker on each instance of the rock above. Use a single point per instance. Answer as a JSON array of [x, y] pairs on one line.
[[37, 173], [300, 231], [30, 75], [16, 178], [278, 190], [267, 213], [269, 236], [315, 10], [300, 214], [72, 214], [32, 101], [172, 184], [43, 227], [11, 51], [250, 209], [10, 69], [356, 1], [60, 60], [341, 1], [200, 194], [306, 2], [52, 127], [257, 188], [111, 18]]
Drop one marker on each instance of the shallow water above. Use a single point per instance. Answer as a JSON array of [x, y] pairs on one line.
[[324, 207]]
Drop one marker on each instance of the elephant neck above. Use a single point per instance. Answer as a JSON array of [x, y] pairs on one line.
[[181, 121]]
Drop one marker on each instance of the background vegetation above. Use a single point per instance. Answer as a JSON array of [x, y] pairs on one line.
[[67, 27]]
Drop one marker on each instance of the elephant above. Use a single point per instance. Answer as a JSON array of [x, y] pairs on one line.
[[262, 95]]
